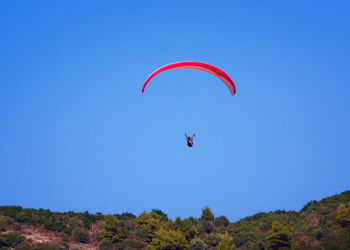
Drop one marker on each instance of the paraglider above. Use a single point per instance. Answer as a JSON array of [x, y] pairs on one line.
[[189, 140], [198, 66]]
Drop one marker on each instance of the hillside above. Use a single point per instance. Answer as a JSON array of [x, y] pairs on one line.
[[323, 224]]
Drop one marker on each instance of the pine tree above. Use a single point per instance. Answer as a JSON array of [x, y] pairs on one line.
[[168, 239], [149, 224], [207, 214], [186, 227], [226, 242], [279, 237], [112, 230], [343, 215]]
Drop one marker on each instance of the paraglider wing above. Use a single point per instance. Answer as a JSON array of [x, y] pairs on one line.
[[199, 66]]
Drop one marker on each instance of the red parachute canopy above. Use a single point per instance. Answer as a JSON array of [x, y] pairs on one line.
[[196, 65]]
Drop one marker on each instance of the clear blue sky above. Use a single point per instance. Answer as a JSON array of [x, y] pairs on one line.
[[77, 134]]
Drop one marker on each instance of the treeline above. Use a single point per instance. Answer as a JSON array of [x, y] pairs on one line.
[[159, 232], [73, 224], [52, 220], [321, 224]]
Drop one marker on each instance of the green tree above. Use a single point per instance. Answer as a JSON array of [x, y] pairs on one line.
[[221, 221], [65, 238], [126, 216], [149, 224], [111, 230], [279, 237], [186, 227], [226, 242], [164, 216], [87, 219], [207, 214], [80, 234], [213, 240], [11, 240], [75, 222], [206, 226], [198, 244], [343, 215], [24, 216], [4, 222], [168, 239], [55, 226]]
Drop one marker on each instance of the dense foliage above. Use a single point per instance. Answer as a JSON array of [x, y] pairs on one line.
[[112, 231], [323, 224], [80, 234], [11, 240]]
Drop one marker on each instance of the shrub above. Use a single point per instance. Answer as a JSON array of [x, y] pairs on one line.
[[127, 224], [47, 246], [80, 234], [88, 219], [129, 244], [65, 245], [45, 213], [65, 238], [105, 245], [331, 245], [141, 233], [55, 226], [212, 240], [75, 222], [134, 244], [24, 217], [322, 210], [197, 244], [11, 211], [323, 221], [85, 219], [206, 227], [120, 246], [319, 233], [6, 220], [23, 246], [343, 237], [11, 240], [221, 221]]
